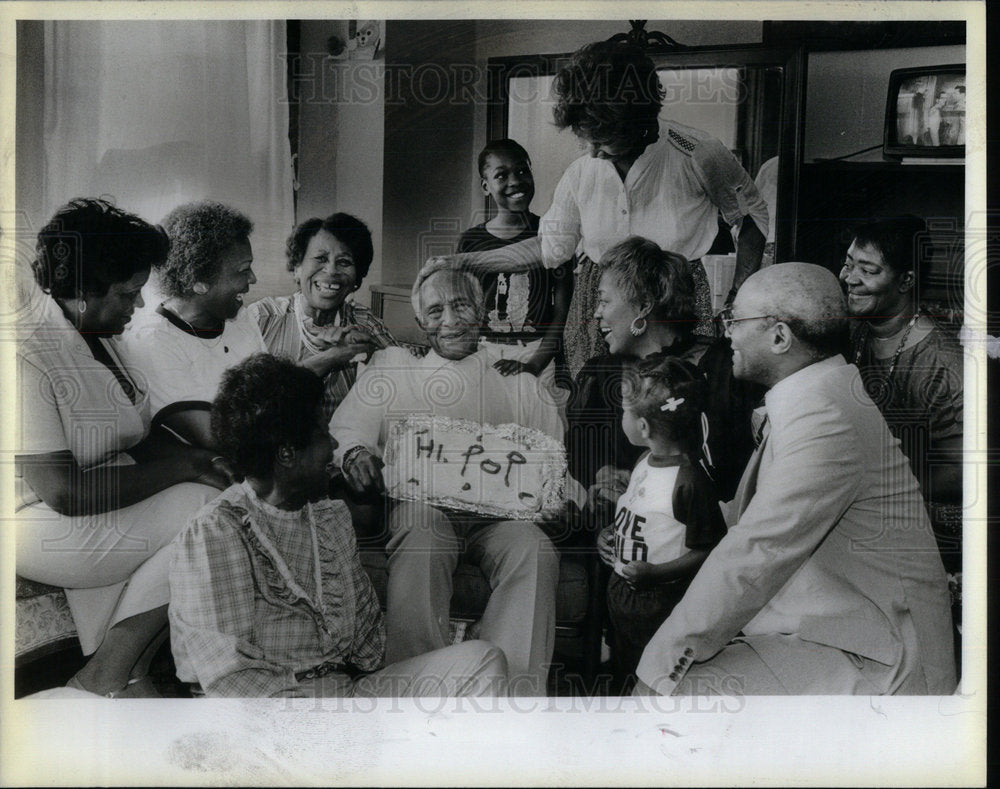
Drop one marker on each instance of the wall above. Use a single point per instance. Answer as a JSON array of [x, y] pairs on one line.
[[144, 163], [429, 119], [846, 94], [341, 140]]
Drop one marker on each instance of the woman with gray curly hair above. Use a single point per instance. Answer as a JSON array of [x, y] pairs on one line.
[[181, 347]]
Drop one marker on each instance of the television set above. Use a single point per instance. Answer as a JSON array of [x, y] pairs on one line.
[[925, 113]]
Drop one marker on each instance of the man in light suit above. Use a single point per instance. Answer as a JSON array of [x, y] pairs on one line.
[[830, 581]]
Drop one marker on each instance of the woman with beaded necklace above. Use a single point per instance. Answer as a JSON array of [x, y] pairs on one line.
[[319, 326], [911, 365]]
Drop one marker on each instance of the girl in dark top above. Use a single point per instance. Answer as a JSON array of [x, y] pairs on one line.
[[526, 312]]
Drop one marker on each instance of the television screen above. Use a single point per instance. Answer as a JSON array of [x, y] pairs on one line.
[[925, 112]]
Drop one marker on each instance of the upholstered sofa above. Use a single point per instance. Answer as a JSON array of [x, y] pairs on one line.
[[46, 649]]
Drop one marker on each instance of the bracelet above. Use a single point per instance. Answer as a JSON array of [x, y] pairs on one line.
[[350, 454]]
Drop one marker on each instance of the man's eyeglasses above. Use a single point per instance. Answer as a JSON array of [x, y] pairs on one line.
[[727, 319]]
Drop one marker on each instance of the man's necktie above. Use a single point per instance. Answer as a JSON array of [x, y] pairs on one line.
[[760, 425], [748, 484]]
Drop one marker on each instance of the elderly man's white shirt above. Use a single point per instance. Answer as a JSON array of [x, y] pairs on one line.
[[396, 385]]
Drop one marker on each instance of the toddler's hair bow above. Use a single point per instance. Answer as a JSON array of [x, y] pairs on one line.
[[671, 404]]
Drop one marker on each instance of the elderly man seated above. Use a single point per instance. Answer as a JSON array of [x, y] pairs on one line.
[[454, 380], [830, 581]]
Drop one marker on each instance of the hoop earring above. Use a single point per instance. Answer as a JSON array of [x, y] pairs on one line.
[[638, 326], [81, 306]]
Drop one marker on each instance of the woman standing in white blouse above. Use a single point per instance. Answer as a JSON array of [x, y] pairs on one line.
[[642, 176]]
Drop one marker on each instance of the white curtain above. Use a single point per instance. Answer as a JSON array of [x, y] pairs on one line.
[[160, 113]]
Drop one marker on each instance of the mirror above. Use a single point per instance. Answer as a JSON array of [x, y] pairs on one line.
[[746, 97]]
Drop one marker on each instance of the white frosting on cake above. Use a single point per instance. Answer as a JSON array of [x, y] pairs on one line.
[[506, 471]]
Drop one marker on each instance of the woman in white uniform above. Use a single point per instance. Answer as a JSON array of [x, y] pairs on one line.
[[99, 496], [182, 346]]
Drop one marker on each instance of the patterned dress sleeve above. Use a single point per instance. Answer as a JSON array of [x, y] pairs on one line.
[[364, 318], [212, 612], [262, 311], [367, 650], [272, 316], [696, 505], [938, 379]]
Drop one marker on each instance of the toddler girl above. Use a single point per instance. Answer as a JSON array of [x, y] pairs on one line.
[[669, 518]]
